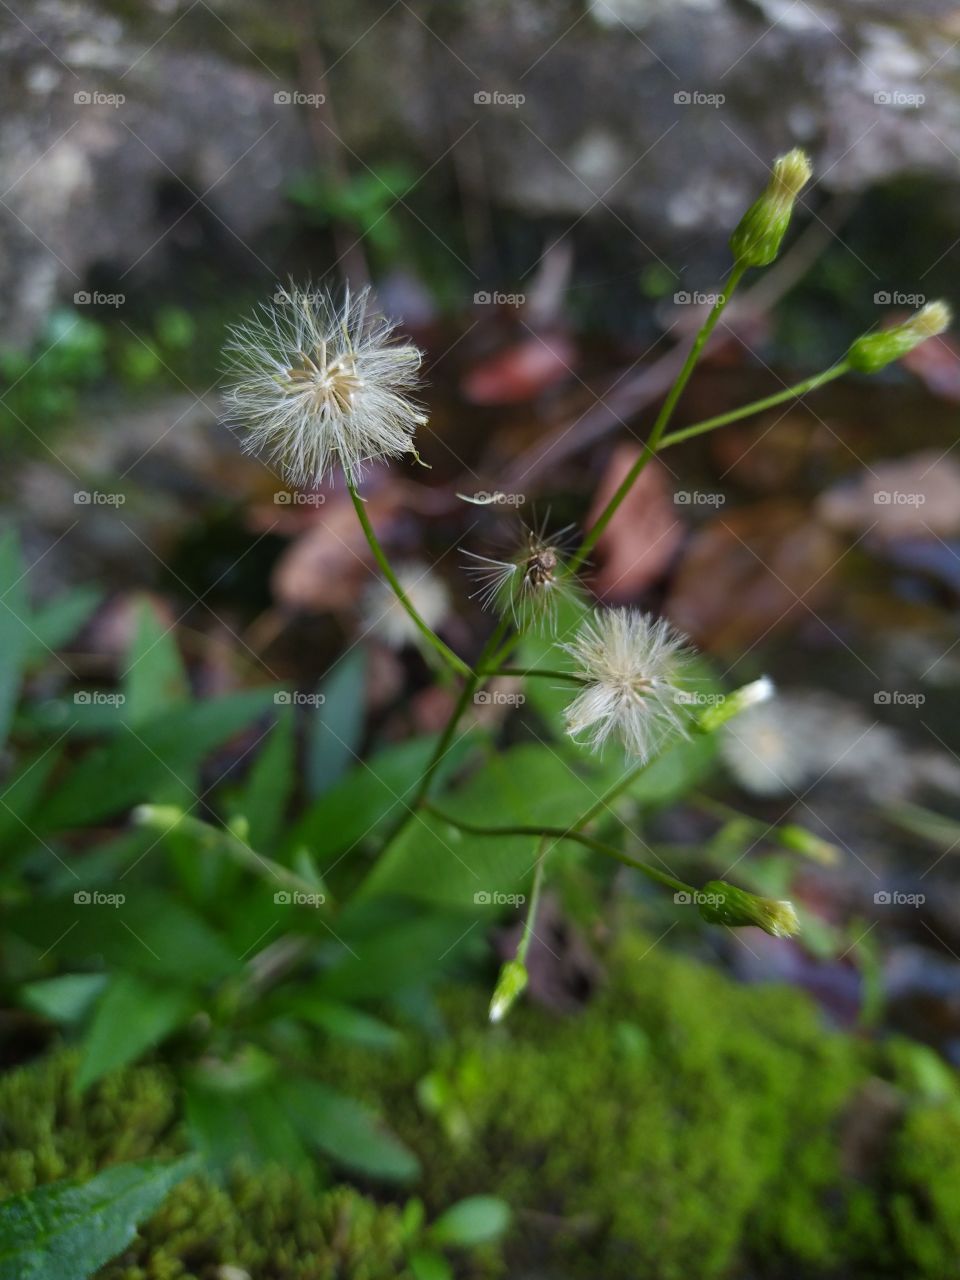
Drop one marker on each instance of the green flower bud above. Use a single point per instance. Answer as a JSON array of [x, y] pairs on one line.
[[747, 695], [874, 351], [510, 986], [756, 241], [722, 903], [792, 836]]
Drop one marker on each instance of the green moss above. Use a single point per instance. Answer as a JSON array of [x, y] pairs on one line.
[[271, 1223], [683, 1125]]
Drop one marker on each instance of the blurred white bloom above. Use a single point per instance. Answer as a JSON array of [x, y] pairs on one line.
[[630, 662], [314, 384], [529, 584], [384, 614], [762, 749]]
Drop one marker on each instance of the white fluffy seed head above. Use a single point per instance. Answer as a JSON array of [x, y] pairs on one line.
[[312, 384], [385, 615], [630, 662]]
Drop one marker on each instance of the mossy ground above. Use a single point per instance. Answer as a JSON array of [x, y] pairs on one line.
[[682, 1125]]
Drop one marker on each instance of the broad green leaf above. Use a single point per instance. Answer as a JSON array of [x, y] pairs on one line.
[[476, 1220], [14, 623], [342, 1021], [430, 1266], [149, 933], [435, 861], [366, 798], [65, 999], [154, 680], [133, 1015], [140, 765], [253, 1124], [398, 955], [68, 1230], [21, 795], [55, 623], [347, 1131], [270, 785], [335, 726]]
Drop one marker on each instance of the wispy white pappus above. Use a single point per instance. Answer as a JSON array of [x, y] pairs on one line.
[[312, 384], [630, 663]]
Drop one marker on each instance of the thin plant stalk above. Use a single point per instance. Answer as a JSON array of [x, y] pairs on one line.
[[449, 657], [663, 418]]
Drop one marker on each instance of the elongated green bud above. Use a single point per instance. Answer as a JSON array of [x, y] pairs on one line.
[[510, 986], [874, 351], [757, 239], [748, 695], [722, 903], [792, 836]]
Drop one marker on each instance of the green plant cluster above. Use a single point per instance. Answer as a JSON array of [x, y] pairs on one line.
[[272, 1224], [685, 1125]]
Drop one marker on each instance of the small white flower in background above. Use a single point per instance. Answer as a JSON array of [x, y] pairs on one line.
[[313, 384], [384, 614], [529, 584], [630, 662], [763, 749]]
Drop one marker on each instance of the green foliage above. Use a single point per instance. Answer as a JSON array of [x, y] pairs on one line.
[[67, 1230], [274, 1223], [682, 1125]]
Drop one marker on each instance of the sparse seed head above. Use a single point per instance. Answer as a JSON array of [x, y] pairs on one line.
[[529, 584], [874, 351], [630, 663], [313, 384]]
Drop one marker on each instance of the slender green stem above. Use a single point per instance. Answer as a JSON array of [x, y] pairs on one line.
[[539, 671], [431, 637], [756, 406], [534, 906], [566, 833], [662, 420]]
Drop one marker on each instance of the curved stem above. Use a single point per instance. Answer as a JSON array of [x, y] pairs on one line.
[[431, 637], [756, 406], [662, 420], [534, 906], [538, 671], [565, 833]]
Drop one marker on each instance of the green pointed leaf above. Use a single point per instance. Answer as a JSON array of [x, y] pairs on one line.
[[14, 623], [270, 785], [155, 680], [68, 1230], [55, 623], [347, 1131], [336, 723], [65, 999], [134, 1015]]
